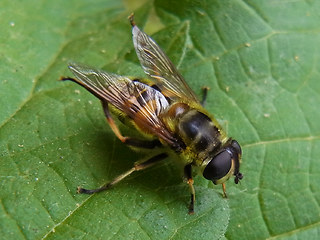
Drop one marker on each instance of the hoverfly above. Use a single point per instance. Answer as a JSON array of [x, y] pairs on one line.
[[165, 108]]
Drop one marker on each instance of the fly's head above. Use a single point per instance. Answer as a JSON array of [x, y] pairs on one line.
[[225, 163]]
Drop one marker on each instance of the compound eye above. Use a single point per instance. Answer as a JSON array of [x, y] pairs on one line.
[[236, 146], [218, 167]]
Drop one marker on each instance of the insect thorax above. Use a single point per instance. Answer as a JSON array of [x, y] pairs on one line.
[[198, 132]]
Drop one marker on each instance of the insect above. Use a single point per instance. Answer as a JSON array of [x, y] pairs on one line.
[[164, 108]]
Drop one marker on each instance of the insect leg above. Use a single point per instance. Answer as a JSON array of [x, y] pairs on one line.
[[224, 190], [127, 140], [204, 95], [137, 167], [188, 175]]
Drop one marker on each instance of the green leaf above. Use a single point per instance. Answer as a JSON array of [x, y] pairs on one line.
[[261, 62]]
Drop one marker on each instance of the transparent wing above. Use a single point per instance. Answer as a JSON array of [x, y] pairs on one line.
[[159, 67], [140, 102]]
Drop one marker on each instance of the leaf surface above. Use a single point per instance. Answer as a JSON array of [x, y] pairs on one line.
[[261, 62]]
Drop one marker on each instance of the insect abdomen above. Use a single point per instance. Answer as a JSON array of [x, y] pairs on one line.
[[199, 132]]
